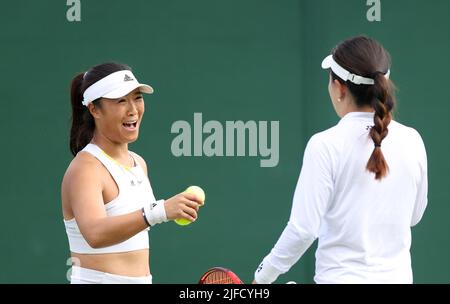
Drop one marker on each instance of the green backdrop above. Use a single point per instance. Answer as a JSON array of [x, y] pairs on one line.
[[231, 60]]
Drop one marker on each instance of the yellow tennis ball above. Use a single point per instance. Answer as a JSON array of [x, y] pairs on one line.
[[200, 194], [182, 221]]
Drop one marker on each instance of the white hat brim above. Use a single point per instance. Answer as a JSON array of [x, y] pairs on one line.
[[127, 88], [327, 62]]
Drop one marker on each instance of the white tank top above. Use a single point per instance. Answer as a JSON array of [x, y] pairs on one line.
[[134, 191]]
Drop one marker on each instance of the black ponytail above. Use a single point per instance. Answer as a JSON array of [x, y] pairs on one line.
[[366, 57], [382, 103], [83, 124]]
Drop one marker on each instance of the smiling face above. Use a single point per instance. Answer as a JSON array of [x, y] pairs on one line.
[[118, 120]]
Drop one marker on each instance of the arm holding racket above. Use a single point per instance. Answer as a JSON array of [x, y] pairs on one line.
[[311, 199], [286, 252]]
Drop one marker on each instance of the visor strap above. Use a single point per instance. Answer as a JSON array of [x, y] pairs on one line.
[[346, 75]]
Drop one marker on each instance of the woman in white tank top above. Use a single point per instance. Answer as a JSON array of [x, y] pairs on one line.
[[107, 200], [363, 183]]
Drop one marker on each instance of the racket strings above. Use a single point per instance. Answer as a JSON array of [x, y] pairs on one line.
[[218, 277]]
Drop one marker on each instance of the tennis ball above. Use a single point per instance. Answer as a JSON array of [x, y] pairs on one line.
[[200, 194], [182, 221]]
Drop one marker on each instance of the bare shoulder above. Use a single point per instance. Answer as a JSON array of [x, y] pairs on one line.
[[141, 162], [84, 168], [82, 183]]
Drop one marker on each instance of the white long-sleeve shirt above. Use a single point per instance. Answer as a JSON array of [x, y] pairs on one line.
[[363, 225]]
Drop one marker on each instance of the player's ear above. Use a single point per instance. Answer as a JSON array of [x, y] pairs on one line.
[[95, 111], [342, 88]]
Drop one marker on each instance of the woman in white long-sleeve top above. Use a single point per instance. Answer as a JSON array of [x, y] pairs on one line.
[[363, 183]]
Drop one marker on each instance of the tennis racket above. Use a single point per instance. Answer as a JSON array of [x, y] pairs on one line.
[[219, 275]]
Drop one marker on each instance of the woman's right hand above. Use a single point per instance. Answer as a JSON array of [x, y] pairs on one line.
[[182, 205]]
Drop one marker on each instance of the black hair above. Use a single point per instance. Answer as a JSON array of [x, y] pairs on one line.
[[366, 57], [83, 124]]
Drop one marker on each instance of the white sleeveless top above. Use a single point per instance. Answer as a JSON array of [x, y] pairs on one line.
[[134, 191]]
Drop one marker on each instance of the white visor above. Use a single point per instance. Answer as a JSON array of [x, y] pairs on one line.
[[330, 63], [115, 85]]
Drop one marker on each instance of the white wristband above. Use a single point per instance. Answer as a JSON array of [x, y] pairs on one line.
[[155, 213]]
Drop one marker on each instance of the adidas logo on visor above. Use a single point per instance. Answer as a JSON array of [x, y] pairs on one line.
[[127, 78]]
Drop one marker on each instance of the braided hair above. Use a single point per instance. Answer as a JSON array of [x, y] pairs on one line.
[[366, 57]]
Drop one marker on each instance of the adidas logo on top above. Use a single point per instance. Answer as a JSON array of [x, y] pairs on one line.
[[127, 78]]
